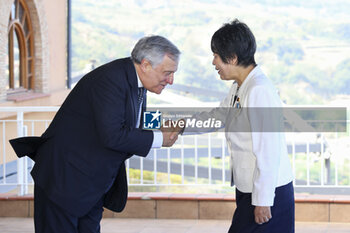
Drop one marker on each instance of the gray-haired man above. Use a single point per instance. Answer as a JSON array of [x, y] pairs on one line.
[[80, 158]]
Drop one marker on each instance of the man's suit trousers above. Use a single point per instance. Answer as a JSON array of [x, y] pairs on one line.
[[50, 218]]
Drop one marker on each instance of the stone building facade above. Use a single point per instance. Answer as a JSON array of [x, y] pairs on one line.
[[49, 27]]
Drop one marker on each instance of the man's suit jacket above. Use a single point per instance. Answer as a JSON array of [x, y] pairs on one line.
[[83, 150]]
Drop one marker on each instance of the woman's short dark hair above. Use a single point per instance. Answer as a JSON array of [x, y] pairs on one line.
[[234, 39]]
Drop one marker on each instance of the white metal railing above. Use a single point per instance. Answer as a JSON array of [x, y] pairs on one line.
[[318, 161], [20, 171]]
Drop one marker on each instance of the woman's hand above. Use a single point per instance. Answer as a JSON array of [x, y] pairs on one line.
[[262, 214]]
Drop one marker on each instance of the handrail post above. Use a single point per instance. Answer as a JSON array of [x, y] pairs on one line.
[[20, 161]]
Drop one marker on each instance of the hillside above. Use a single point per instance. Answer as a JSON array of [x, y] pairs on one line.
[[304, 48]]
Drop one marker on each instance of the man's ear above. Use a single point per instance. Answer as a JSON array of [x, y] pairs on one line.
[[145, 65]]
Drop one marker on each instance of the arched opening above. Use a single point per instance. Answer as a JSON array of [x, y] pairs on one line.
[[20, 49]]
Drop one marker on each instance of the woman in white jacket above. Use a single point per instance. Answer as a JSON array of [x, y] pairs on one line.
[[260, 167]]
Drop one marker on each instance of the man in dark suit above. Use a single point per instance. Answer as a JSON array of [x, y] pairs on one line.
[[79, 160]]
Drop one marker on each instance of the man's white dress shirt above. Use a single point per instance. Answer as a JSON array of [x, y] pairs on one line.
[[157, 134]]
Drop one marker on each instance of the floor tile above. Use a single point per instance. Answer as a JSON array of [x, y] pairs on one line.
[[132, 225]]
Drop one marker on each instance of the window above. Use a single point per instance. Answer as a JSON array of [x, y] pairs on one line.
[[20, 49]]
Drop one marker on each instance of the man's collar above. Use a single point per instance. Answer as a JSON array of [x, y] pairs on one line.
[[139, 83]]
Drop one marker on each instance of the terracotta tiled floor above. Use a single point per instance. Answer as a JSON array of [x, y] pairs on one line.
[[25, 225]]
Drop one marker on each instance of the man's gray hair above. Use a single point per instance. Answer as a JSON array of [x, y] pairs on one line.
[[154, 48]]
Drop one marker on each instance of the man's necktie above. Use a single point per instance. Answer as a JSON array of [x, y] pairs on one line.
[[140, 94], [140, 97]]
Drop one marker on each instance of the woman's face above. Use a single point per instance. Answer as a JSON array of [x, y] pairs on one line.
[[225, 70]]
